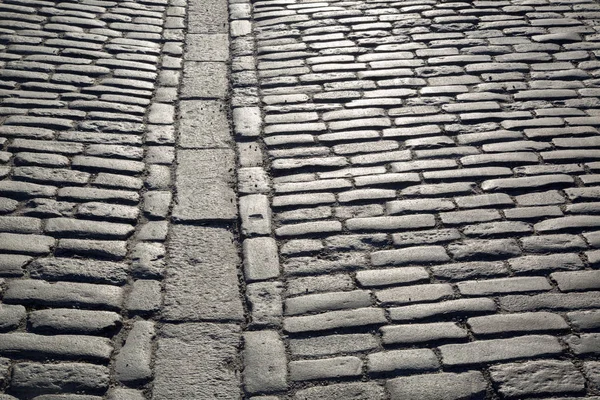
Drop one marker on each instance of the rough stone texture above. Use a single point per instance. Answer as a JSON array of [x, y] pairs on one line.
[[485, 351], [132, 363], [354, 391], [183, 345], [202, 281], [203, 125], [537, 377], [33, 378], [204, 182], [260, 259], [325, 368], [265, 362], [441, 386]]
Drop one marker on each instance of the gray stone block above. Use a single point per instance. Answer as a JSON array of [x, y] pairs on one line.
[[178, 374], [204, 180], [207, 80], [265, 368], [206, 47], [203, 124], [202, 280]]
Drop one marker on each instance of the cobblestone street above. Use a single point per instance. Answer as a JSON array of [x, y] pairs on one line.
[[299, 200]]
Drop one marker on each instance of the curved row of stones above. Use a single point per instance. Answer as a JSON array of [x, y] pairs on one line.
[[417, 198], [87, 92]]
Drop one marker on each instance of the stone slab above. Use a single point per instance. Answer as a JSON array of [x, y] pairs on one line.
[[197, 361], [204, 182], [202, 280], [203, 124], [204, 80]]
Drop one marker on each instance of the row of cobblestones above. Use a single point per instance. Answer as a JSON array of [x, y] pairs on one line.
[[421, 210], [87, 92]]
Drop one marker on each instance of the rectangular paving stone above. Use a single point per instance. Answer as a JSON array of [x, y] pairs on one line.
[[64, 294], [322, 302], [179, 375], [334, 319], [418, 333], [202, 280], [406, 361], [443, 310], [491, 351], [441, 386], [261, 261], [204, 80], [77, 347], [522, 322], [340, 367], [415, 294], [203, 124], [549, 377], [204, 183], [503, 285], [333, 344], [410, 255], [206, 47], [265, 362]]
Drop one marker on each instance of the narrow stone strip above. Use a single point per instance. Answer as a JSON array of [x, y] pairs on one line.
[[265, 360], [198, 343]]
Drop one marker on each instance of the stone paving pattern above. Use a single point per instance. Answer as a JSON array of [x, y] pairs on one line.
[[299, 200], [430, 167]]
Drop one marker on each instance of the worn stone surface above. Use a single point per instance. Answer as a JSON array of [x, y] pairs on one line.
[[184, 344], [202, 281]]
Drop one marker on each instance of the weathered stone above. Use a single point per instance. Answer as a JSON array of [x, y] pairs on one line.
[[265, 362], [132, 363], [35, 378], [202, 281], [537, 377], [204, 186], [179, 375]]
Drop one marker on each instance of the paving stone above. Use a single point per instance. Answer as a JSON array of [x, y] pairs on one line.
[[21, 345], [419, 333], [206, 80], [549, 243], [407, 361], [583, 344], [489, 351], [11, 317], [410, 255], [415, 294], [319, 283], [551, 262], [333, 344], [209, 196], [503, 285], [64, 294], [576, 280], [265, 362], [79, 270], [206, 47], [132, 362], [327, 301], [537, 377], [184, 344], [490, 249], [355, 391], [444, 309], [391, 276], [215, 272], [145, 297], [469, 270], [33, 378], [255, 214], [440, 386], [62, 227], [584, 320], [425, 237], [325, 368], [72, 321], [510, 323], [203, 124], [124, 394], [265, 303], [107, 249], [334, 319], [391, 223]]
